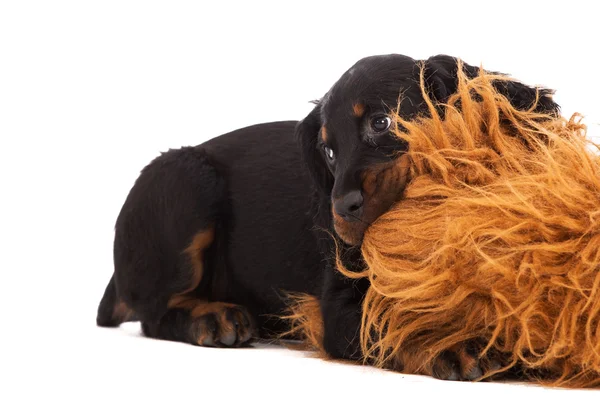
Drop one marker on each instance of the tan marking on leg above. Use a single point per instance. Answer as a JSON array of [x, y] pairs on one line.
[[230, 321], [201, 241], [467, 361], [203, 308], [220, 310], [195, 251], [122, 312]]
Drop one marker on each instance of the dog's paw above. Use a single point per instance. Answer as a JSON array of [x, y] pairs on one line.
[[223, 325], [462, 362]]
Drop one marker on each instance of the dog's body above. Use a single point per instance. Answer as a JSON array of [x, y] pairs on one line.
[[211, 237], [250, 208]]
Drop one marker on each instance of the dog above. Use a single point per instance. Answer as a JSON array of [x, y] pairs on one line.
[[211, 237]]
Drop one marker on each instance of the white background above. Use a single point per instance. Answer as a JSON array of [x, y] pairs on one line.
[[92, 91]]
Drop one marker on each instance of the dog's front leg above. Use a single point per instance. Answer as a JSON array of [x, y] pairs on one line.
[[341, 307]]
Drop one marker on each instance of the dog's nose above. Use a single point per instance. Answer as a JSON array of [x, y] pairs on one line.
[[350, 206]]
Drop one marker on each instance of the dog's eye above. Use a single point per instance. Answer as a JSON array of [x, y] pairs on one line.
[[329, 153], [381, 123]]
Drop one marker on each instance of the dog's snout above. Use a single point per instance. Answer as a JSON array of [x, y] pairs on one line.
[[350, 206]]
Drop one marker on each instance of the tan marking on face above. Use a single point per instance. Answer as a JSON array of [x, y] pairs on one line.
[[382, 185], [351, 232], [358, 109], [324, 134]]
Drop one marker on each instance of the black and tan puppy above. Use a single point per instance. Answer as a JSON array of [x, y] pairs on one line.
[[210, 237]]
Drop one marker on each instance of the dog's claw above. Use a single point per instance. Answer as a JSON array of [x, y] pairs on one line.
[[462, 363]]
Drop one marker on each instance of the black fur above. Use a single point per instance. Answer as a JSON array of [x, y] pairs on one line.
[[267, 191]]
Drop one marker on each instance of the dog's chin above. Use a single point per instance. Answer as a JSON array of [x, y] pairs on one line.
[[351, 233]]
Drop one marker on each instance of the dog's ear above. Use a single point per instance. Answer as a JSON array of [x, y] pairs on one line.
[[441, 80], [441, 76], [522, 97], [307, 134]]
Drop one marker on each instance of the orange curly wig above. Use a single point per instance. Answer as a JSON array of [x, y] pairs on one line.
[[496, 239]]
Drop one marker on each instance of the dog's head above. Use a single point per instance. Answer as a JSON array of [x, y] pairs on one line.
[[347, 140]]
